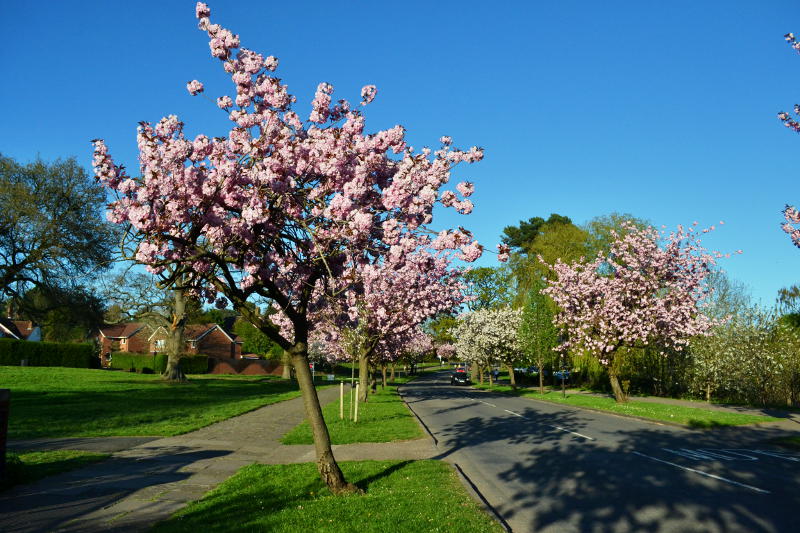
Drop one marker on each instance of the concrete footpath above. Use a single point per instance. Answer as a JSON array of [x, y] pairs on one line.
[[147, 479]]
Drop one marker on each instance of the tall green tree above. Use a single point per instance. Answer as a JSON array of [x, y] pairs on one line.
[[52, 229], [538, 336], [68, 314], [522, 236], [488, 287]]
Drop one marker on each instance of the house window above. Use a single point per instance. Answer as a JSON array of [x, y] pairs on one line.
[[161, 344]]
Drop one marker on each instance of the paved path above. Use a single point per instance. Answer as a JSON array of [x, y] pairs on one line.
[[148, 482]]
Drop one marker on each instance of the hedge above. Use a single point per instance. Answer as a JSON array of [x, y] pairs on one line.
[[13, 352], [156, 364]]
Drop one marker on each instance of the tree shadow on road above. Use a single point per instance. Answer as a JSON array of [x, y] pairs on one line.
[[644, 477]]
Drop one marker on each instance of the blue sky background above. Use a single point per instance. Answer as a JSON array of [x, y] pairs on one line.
[[665, 110]]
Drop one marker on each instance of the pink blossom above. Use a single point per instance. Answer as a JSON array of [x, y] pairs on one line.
[[271, 63], [466, 188], [368, 93], [202, 10], [224, 102], [194, 87]]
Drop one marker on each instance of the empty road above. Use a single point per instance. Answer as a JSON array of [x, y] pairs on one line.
[[545, 467]]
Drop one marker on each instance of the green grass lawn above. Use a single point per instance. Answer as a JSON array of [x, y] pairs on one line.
[[384, 418], [27, 467], [689, 416], [401, 496], [73, 402]]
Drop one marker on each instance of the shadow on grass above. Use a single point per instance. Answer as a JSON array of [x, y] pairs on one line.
[[364, 484]]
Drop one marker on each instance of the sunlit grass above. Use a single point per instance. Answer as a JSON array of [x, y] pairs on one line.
[[73, 402], [401, 496], [384, 418]]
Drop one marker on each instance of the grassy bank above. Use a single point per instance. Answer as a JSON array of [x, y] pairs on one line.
[[384, 418], [663, 412], [27, 467], [401, 496], [72, 402]]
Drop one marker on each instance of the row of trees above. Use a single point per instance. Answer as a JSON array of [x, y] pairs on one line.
[[636, 310]]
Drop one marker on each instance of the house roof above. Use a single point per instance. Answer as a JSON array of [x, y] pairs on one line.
[[121, 331], [196, 332], [8, 327], [24, 326]]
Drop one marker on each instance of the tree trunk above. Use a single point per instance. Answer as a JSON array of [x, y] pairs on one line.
[[326, 463], [708, 392], [286, 360], [391, 376], [491, 377], [619, 394], [363, 376], [480, 375], [541, 376], [512, 377], [173, 371], [383, 376]]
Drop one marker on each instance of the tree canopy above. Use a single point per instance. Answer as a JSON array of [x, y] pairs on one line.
[[52, 231]]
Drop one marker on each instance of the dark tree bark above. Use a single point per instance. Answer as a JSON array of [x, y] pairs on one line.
[[363, 376], [286, 361], [619, 394], [326, 463], [175, 341]]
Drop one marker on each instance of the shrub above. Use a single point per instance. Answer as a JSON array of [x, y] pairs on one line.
[[13, 352], [149, 364]]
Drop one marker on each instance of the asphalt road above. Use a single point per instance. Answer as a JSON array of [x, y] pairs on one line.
[[545, 467]]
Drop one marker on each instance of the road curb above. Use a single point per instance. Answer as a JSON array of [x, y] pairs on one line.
[[419, 420], [477, 495]]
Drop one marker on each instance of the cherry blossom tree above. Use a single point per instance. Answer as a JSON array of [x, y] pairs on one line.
[[638, 294], [278, 207], [384, 305], [489, 336], [790, 213]]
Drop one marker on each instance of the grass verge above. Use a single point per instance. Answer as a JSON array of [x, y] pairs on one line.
[[677, 414], [401, 496], [73, 402], [384, 418], [27, 467]]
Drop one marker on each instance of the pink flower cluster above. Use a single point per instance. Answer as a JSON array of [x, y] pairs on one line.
[[194, 87], [286, 210], [792, 216], [640, 293]]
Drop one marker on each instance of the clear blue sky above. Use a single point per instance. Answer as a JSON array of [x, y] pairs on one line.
[[665, 110]]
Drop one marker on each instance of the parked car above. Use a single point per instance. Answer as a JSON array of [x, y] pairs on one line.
[[558, 373], [459, 377]]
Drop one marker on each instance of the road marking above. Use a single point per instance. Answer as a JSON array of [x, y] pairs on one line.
[[704, 454], [552, 426], [571, 432], [707, 474], [487, 403]]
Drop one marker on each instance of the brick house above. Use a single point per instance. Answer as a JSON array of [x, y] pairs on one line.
[[131, 337], [29, 330], [23, 330], [207, 339]]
